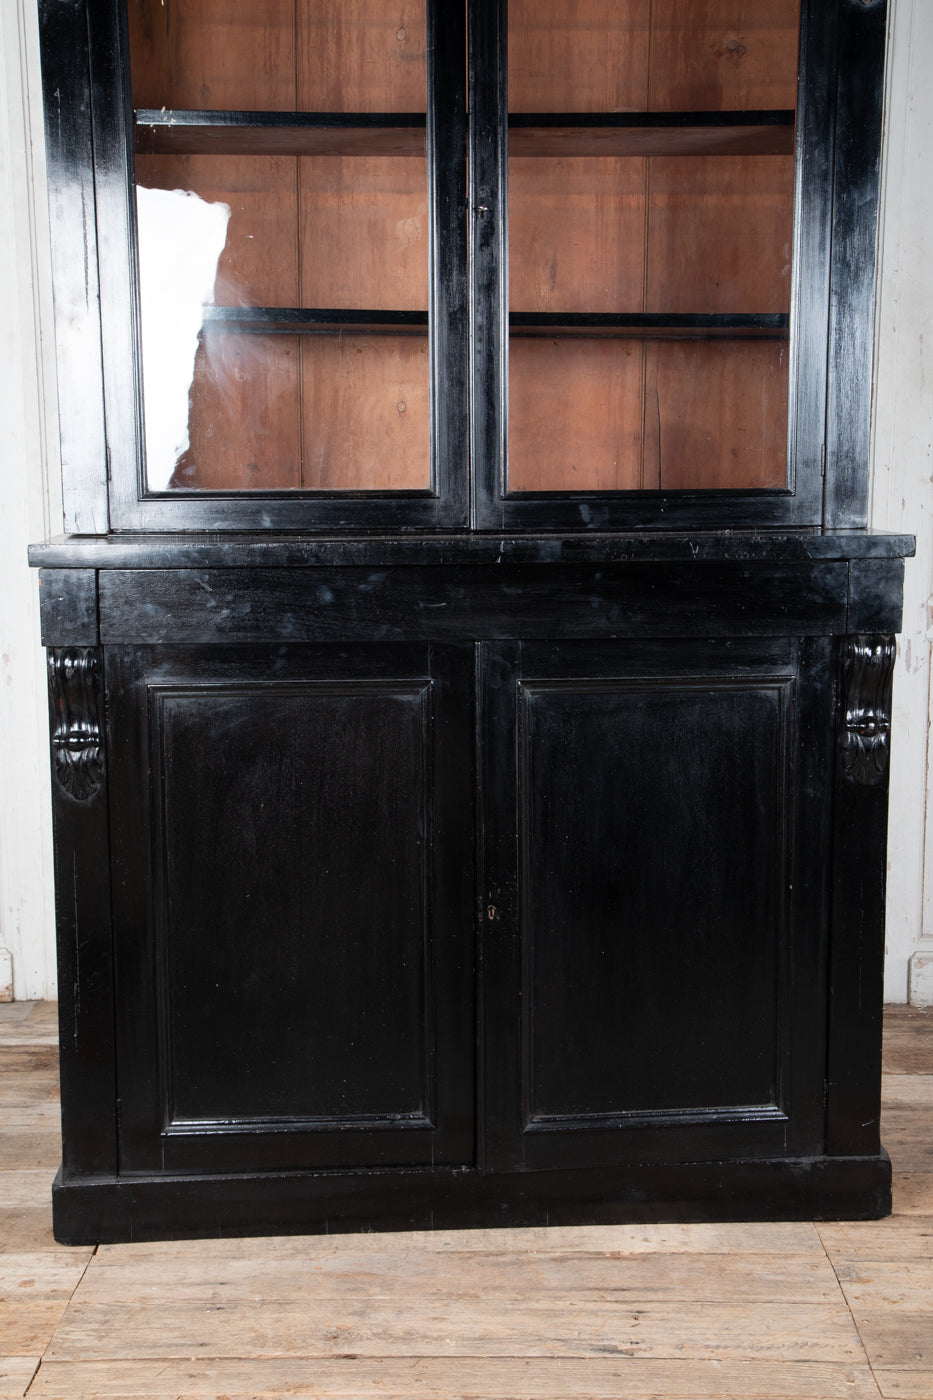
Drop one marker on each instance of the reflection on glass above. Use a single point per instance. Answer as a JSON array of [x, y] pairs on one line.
[[238, 395], [181, 238]]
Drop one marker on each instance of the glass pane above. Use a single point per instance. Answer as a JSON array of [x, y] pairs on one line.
[[283, 259], [575, 414], [313, 413], [652, 55], [650, 258], [716, 414], [279, 56]]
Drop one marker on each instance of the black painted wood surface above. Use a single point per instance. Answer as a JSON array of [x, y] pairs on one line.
[[203, 606], [292, 920], [194, 550], [509, 889], [860, 70], [81, 829], [185, 1207], [654, 899], [73, 225], [452, 858]]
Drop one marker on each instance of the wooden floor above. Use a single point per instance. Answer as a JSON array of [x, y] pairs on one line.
[[788, 1312]]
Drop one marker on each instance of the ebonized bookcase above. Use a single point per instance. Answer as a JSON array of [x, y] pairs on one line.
[[470, 667]]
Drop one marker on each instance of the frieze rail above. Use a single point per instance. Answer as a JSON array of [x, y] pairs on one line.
[[865, 741], [77, 744]]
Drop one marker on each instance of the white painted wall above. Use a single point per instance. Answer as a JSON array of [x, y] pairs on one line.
[[27, 409], [902, 498]]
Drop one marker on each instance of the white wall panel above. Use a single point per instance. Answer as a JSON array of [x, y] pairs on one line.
[[26, 367], [903, 453]]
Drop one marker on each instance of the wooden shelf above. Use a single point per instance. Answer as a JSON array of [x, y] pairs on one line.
[[676, 325], [652, 134], [287, 320], [332, 321], [173, 132]]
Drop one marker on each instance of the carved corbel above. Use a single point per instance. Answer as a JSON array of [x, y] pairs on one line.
[[77, 745], [865, 739]]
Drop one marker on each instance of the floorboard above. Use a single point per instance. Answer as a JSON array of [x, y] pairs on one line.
[[435, 1378], [795, 1311], [16, 1373]]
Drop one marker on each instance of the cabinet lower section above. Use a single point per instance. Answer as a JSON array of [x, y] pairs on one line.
[[391, 921]]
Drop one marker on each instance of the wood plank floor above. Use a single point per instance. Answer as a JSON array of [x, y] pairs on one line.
[[735, 1312]]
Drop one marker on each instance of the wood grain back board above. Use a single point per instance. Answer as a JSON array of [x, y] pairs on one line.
[[665, 234], [283, 55]]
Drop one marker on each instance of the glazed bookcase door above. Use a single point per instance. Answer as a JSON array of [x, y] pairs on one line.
[[656, 900], [651, 256], [293, 932], [296, 260], [628, 286]]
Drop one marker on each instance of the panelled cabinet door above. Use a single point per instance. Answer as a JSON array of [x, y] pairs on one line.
[[300, 994], [656, 900]]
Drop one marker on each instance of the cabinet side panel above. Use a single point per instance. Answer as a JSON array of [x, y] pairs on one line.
[[83, 916], [853, 1077]]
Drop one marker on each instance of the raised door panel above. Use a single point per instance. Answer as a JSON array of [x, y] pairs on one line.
[[665, 825], [296, 952]]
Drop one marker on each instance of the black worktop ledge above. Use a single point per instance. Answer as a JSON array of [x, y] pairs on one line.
[[236, 551]]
